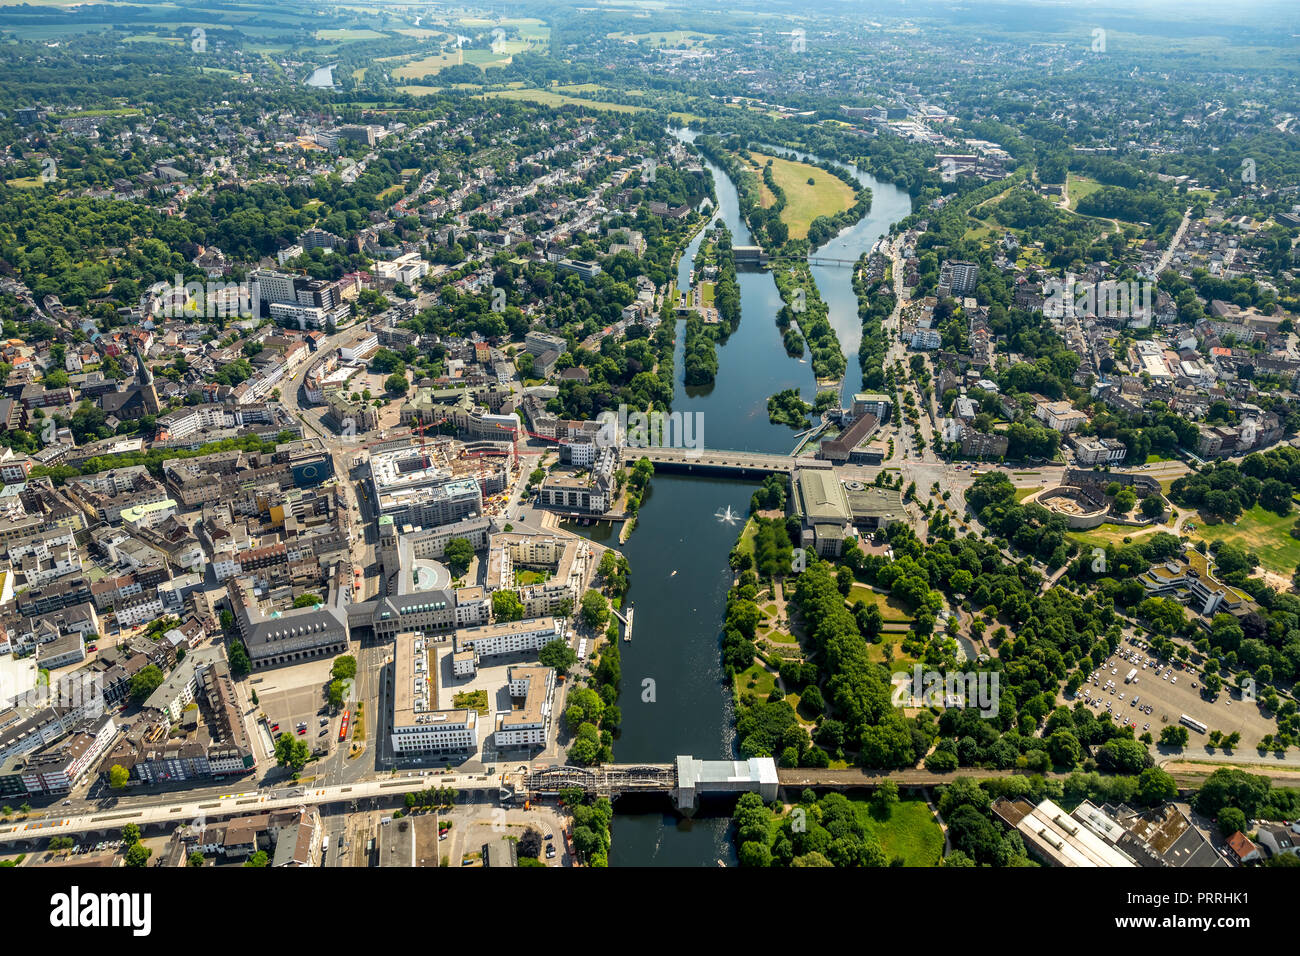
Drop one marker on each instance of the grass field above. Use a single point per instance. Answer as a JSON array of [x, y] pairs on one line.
[[1265, 533], [901, 662], [910, 832], [664, 37], [420, 33], [756, 679], [549, 98], [437, 62], [1106, 534], [803, 203], [891, 609], [1076, 187], [349, 35]]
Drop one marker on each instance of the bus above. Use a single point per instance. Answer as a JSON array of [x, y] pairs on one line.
[[343, 727], [1196, 725]]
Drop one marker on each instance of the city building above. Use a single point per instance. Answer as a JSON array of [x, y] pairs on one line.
[[528, 725], [419, 724]]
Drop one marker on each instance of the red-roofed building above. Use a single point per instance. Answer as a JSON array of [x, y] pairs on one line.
[[1239, 846]]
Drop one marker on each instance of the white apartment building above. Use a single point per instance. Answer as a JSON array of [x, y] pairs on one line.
[[419, 725], [359, 347], [510, 637], [527, 727], [1061, 416], [407, 269], [139, 611], [274, 286]]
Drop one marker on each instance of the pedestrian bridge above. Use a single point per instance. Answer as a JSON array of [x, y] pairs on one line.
[[685, 780]]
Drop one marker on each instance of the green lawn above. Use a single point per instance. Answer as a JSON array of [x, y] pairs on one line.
[[764, 681], [1264, 532], [891, 609], [910, 832], [1079, 186], [746, 544], [901, 662], [547, 98], [827, 195], [775, 636], [1106, 534]]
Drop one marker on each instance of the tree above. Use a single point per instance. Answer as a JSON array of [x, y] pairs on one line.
[[753, 853], [595, 609], [1156, 786], [1231, 820], [118, 776], [506, 606], [884, 799], [336, 692], [258, 859], [240, 664], [397, 383], [138, 854], [344, 667], [1174, 736], [459, 553], [558, 654], [130, 833], [145, 682], [291, 751], [585, 706], [1064, 748], [195, 859]]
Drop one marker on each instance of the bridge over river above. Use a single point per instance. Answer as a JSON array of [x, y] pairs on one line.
[[712, 461], [685, 780]]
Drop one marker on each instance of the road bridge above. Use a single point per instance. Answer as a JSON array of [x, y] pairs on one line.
[[685, 781], [711, 461]]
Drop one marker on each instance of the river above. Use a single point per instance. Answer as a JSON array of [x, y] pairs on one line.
[[322, 78], [674, 700], [889, 205]]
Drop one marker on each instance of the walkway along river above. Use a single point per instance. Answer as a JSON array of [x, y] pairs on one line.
[[674, 700]]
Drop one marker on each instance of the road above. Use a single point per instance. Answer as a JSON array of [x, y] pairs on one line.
[[1173, 243], [167, 810]]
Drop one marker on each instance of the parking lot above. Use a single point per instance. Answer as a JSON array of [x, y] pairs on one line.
[[474, 825], [1165, 692], [292, 696]]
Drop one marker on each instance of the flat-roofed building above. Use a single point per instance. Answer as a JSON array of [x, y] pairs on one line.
[[1058, 838], [875, 506], [823, 508], [527, 725], [1191, 579], [419, 724], [510, 637]]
